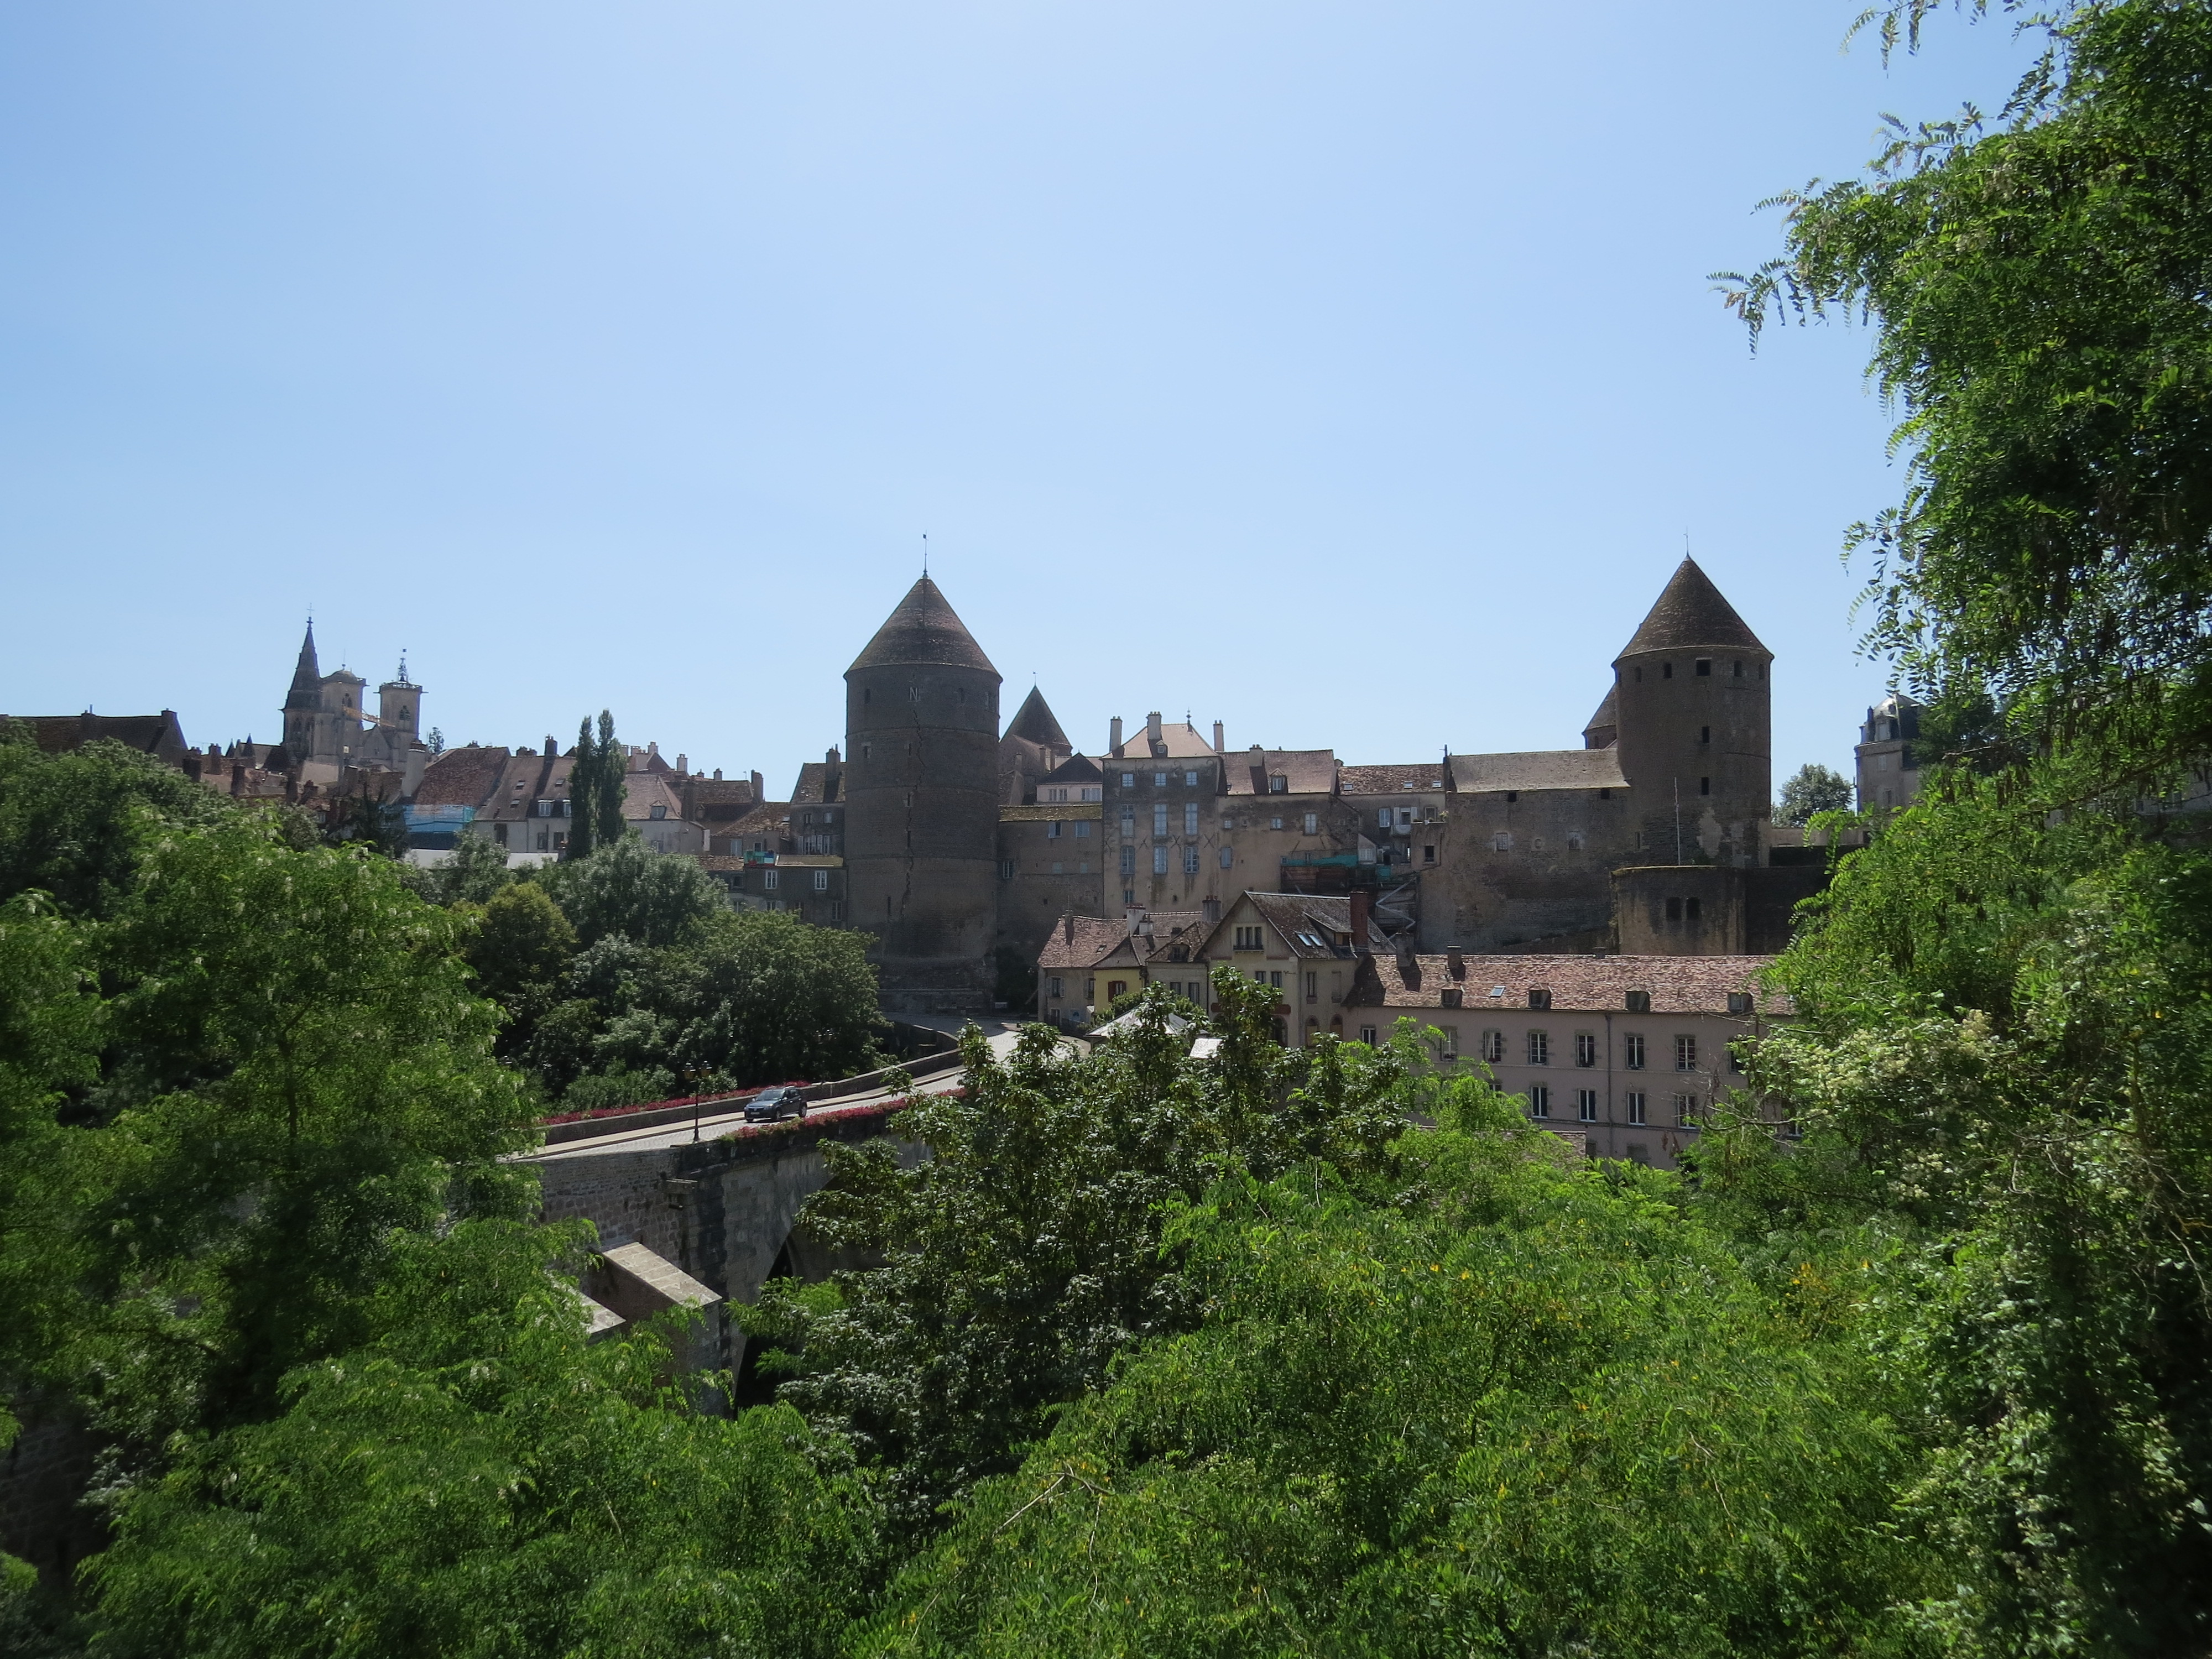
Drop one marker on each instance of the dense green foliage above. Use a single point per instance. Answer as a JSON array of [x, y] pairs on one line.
[[1810, 791], [1526, 1408], [1025, 1253], [625, 889], [2039, 294], [2006, 1031], [478, 1480]]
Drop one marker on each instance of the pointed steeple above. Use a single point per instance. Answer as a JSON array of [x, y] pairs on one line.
[[1034, 722], [309, 672], [1691, 616], [923, 630]]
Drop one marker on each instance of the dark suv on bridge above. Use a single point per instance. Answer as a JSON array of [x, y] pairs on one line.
[[770, 1105]]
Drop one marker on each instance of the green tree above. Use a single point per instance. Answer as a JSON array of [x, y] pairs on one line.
[[50, 1036], [366, 821], [607, 805], [596, 790], [1812, 789], [626, 888], [1526, 1408], [522, 941], [481, 1478], [297, 1074], [583, 793], [2003, 1026], [2037, 289], [77, 825], [476, 870], [1025, 1254], [766, 998]]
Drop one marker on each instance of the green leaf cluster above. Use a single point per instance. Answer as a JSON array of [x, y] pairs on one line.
[[1528, 1407]]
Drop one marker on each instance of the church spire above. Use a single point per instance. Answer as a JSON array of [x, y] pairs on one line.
[[308, 676]]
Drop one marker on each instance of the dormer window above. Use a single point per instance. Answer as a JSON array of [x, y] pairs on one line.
[[660, 810], [1278, 784]]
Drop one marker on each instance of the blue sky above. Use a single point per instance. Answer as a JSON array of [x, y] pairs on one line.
[[1346, 373]]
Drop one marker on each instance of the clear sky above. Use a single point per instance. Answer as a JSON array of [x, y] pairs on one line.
[[1347, 374]]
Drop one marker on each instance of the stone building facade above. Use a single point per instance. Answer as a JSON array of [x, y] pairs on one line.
[[1889, 756], [328, 727], [1627, 1052]]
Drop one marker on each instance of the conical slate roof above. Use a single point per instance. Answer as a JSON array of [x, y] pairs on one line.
[[307, 676], [1691, 616], [1607, 717], [923, 630], [1034, 722]]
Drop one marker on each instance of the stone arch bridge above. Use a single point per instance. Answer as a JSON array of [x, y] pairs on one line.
[[716, 1197]]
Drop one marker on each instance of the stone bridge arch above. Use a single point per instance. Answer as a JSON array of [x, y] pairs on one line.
[[723, 1210]]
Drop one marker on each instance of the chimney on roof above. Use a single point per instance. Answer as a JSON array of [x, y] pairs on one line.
[[1217, 737], [1455, 963], [1152, 727], [1067, 929], [683, 766], [718, 775], [1363, 908], [551, 750], [1114, 744], [1259, 758], [758, 794], [830, 755], [1409, 965]]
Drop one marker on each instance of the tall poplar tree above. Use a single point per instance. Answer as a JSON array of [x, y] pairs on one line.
[[607, 803], [583, 790], [595, 788]]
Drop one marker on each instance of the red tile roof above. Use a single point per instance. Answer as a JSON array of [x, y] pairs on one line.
[[462, 777]]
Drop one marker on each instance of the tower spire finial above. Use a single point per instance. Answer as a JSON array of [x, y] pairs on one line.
[[925, 555]]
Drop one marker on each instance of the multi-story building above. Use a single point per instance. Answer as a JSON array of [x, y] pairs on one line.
[[1889, 755], [1089, 963], [1051, 854], [1628, 1051], [1306, 947]]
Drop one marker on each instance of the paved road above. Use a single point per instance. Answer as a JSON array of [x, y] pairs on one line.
[[719, 1120]]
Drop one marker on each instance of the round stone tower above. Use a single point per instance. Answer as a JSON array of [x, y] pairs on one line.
[[921, 791], [1693, 705]]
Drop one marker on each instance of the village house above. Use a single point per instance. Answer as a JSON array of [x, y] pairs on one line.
[[1628, 1051]]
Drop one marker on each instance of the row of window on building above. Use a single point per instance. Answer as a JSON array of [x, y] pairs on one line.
[[772, 879], [1633, 1050], [1635, 1104]]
